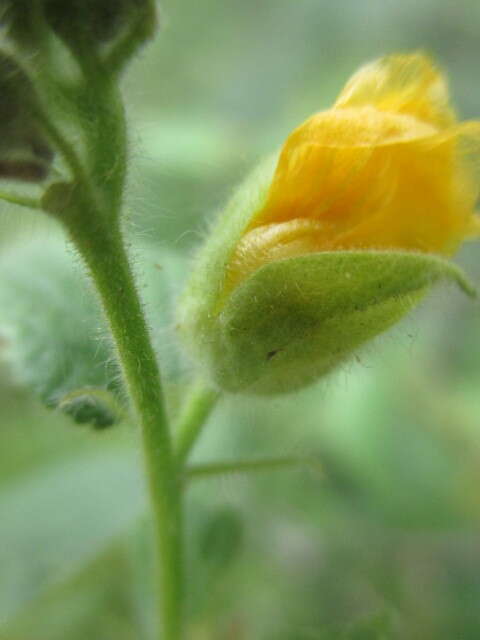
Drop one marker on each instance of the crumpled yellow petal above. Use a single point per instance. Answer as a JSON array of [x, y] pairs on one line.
[[388, 167], [408, 84], [432, 207], [272, 242], [338, 166], [334, 240]]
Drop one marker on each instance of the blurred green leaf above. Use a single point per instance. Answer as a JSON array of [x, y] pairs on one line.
[[222, 538], [58, 518], [97, 407], [376, 627], [95, 603], [56, 338], [55, 335]]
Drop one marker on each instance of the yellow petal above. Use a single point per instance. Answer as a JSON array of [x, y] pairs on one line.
[[386, 168], [337, 167], [272, 242], [431, 209], [407, 84]]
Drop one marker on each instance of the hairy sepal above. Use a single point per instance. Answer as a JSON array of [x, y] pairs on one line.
[[294, 320]]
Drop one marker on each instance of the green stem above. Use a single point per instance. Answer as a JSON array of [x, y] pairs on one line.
[[93, 224], [197, 408], [107, 261], [245, 466], [108, 163], [66, 149], [89, 208], [99, 104]]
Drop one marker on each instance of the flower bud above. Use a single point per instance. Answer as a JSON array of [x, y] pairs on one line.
[[16, 18], [95, 21], [24, 150], [337, 238]]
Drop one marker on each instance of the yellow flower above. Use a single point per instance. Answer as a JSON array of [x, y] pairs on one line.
[[342, 236], [387, 167]]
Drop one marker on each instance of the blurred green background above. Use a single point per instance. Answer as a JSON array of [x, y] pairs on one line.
[[385, 542]]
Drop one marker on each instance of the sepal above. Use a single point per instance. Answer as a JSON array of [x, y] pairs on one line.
[[294, 320]]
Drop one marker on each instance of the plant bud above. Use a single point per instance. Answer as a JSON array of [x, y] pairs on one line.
[[334, 240], [24, 151], [97, 21], [16, 17]]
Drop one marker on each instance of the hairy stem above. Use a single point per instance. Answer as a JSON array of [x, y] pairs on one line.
[[108, 164], [197, 408], [107, 261], [91, 217], [88, 204], [248, 466]]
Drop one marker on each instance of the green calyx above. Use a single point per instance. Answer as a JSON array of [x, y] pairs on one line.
[[295, 319]]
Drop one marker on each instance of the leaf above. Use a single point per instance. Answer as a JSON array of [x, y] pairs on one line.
[[222, 537], [59, 518], [56, 337], [94, 603], [97, 407], [375, 627]]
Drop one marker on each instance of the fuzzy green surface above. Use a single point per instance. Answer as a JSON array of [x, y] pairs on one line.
[[295, 319], [208, 268], [55, 336], [56, 340]]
